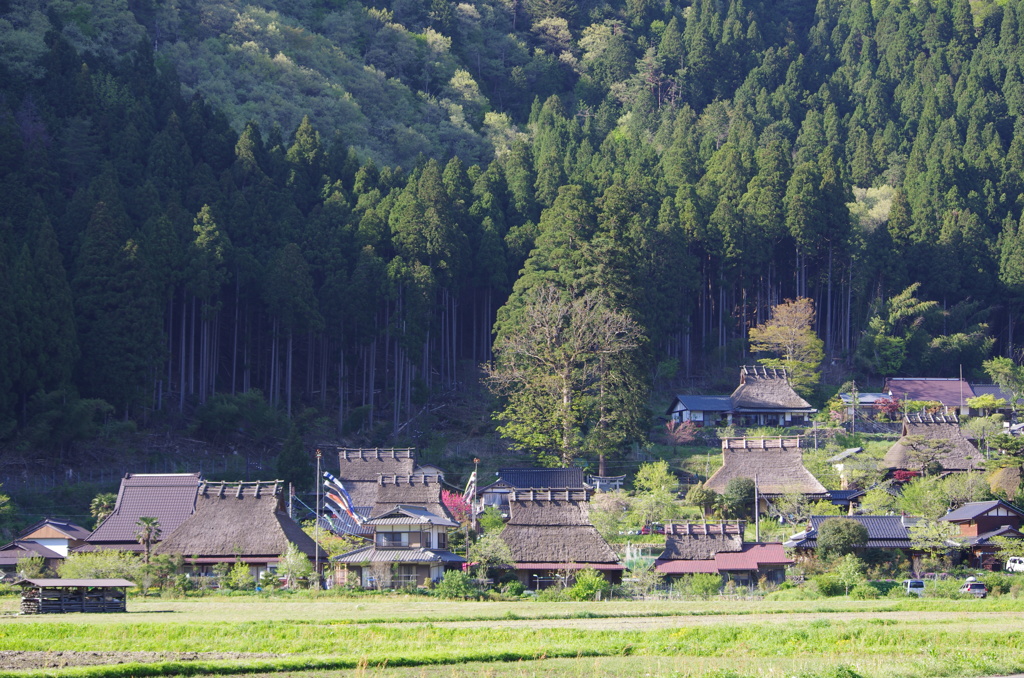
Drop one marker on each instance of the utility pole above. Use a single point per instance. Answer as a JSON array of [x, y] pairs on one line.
[[316, 522]]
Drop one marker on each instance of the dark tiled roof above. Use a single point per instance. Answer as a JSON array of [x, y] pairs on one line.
[[16, 550], [542, 478], [949, 392], [993, 390], [170, 498], [884, 532], [975, 509], [372, 554], [1004, 531], [701, 403]]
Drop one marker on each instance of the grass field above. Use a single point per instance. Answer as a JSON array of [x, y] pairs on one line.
[[395, 637]]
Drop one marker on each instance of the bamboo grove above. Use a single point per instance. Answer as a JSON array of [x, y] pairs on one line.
[[328, 202]]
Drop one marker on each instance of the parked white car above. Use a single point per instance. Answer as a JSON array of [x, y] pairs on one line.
[[1015, 564], [914, 586]]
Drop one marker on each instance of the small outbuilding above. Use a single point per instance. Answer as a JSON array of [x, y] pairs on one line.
[[42, 596]]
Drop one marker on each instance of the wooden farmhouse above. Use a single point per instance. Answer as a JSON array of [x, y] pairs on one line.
[[932, 438], [13, 553], [551, 537], [979, 522], [702, 410], [517, 479], [360, 469], [410, 548], [884, 532], [238, 522], [763, 398], [48, 539], [776, 464], [718, 548], [168, 497]]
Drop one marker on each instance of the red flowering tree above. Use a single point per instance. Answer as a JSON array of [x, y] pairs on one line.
[[457, 505], [889, 406], [680, 432]]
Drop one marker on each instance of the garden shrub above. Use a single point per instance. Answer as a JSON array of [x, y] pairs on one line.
[[999, 583], [829, 585], [456, 584], [589, 583], [513, 588], [944, 588], [864, 592], [552, 594], [240, 577], [704, 585], [793, 594]]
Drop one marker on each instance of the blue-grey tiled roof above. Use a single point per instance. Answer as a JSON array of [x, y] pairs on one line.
[[542, 478], [977, 508], [884, 532], [705, 403]]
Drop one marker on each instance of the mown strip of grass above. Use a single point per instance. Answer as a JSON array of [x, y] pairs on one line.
[[793, 638]]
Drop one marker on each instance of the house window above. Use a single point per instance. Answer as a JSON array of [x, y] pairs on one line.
[[442, 540], [392, 539]]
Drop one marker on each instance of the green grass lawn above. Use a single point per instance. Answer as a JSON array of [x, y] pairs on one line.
[[425, 637]]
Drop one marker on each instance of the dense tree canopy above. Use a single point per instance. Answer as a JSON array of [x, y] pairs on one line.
[[328, 203]]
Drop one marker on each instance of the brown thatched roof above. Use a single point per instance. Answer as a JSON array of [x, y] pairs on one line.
[[556, 530], [358, 464], [961, 455], [766, 388], [701, 541], [410, 490], [238, 520], [360, 468], [777, 471]]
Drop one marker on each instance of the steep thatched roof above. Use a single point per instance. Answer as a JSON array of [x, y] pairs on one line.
[[777, 471], [419, 491], [766, 388], [238, 520], [554, 531], [359, 470], [701, 541], [959, 455]]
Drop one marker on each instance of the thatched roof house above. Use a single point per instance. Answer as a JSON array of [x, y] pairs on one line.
[[932, 437], [168, 497], [359, 469], [777, 471], [718, 548], [765, 398], [239, 521], [419, 491], [549, 532]]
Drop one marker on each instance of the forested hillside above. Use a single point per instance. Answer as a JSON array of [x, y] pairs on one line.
[[328, 201]]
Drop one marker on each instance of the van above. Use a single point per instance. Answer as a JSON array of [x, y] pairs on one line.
[[913, 587], [1015, 564]]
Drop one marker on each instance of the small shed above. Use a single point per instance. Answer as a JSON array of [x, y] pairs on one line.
[[41, 596]]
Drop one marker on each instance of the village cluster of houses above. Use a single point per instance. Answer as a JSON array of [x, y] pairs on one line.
[[397, 508]]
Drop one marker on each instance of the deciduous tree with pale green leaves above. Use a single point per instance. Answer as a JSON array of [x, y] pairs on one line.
[[558, 358], [789, 335]]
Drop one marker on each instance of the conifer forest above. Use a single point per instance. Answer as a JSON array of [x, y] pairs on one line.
[[343, 204]]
